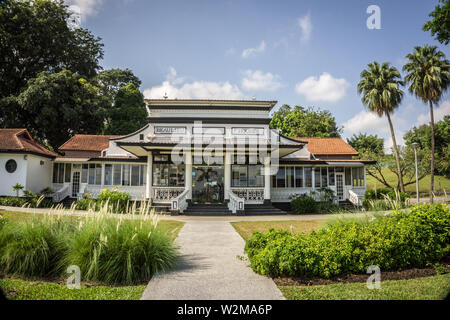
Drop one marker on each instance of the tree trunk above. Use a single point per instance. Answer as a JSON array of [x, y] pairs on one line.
[[432, 153], [396, 154]]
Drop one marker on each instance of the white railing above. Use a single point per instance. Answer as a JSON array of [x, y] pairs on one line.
[[82, 191], [179, 203], [250, 194], [236, 203], [166, 194], [61, 194], [354, 198]]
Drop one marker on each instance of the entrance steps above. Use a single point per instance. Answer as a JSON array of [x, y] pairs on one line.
[[262, 210], [222, 210], [207, 210]]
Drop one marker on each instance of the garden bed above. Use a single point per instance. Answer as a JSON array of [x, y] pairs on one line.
[[361, 278]]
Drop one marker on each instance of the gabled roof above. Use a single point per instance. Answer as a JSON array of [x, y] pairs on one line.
[[328, 146], [20, 140], [86, 142]]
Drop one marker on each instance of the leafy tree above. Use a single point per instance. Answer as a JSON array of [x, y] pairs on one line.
[[367, 143], [428, 76], [305, 122], [128, 114], [422, 135], [439, 25], [60, 105], [381, 93], [17, 187], [35, 38], [110, 81]]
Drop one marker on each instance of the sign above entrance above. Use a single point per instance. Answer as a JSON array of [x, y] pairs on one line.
[[209, 130], [248, 131], [170, 130]]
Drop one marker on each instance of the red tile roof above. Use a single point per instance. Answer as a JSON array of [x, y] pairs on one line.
[[328, 146], [85, 142], [20, 140]]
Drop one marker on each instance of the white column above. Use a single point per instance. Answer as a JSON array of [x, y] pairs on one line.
[[148, 186], [188, 173], [267, 178], [227, 174], [365, 179], [103, 175]]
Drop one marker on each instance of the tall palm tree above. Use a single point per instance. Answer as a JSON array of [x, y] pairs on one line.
[[428, 77], [381, 93]]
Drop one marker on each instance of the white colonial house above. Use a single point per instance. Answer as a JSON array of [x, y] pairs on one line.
[[203, 155]]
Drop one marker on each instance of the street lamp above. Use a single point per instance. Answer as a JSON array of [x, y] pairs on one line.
[[415, 145]]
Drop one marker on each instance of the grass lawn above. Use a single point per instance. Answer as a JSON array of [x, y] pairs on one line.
[[429, 288], [440, 183], [247, 228], [16, 289]]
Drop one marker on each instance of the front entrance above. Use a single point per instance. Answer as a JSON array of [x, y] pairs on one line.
[[340, 186], [75, 184], [208, 184]]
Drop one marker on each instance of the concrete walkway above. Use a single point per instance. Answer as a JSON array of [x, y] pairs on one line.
[[211, 268]]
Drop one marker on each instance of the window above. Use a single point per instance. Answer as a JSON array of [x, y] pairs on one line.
[[68, 172], [317, 177], [290, 178], [126, 175], [165, 174], [117, 174], [255, 176], [91, 174], [358, 176], [143, 175], [160, 157], [331, 176], [134, 175], [348, 176], [308, 177], [98, 174], [281, 177], [239, 175], [299, 177], [84, 173], [58, 173], [108, 175], [324, 172]]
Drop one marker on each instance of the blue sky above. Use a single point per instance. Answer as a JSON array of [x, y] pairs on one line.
[[307, 53]]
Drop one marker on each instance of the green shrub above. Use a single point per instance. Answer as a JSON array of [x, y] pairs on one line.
[[303, 204], [119, 201], [33, 248], [33, 202], [106, 249], [393, 242], [86, 204], [125, 252]]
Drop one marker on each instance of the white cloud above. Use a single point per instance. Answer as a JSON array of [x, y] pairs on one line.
[[259, 81], [368, 122], [176, 87], [306, 27], [442, 110], [252, 51], [325, 88], [87, 7]]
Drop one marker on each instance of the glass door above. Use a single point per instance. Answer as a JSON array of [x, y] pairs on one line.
[[207, 184], [75, 184], [340, 186]]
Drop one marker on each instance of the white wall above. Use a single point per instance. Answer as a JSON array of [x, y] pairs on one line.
[[39, 175], [7, 180]]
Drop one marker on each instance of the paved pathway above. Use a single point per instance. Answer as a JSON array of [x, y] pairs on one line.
[[210, 268]]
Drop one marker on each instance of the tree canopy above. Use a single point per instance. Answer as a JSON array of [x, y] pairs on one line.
[[58, 105], [35, 38], [305, 122], [439, 25], [110, 81], [128, 114], [364, 143]]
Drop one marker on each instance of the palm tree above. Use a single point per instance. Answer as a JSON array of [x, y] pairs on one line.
[[381, 93], [428, 76]]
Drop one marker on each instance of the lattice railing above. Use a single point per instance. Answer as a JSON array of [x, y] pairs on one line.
[[165, 194], [249, 194]]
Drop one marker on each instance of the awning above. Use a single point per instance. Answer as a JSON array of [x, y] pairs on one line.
[[346, 163], [71, 160]]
